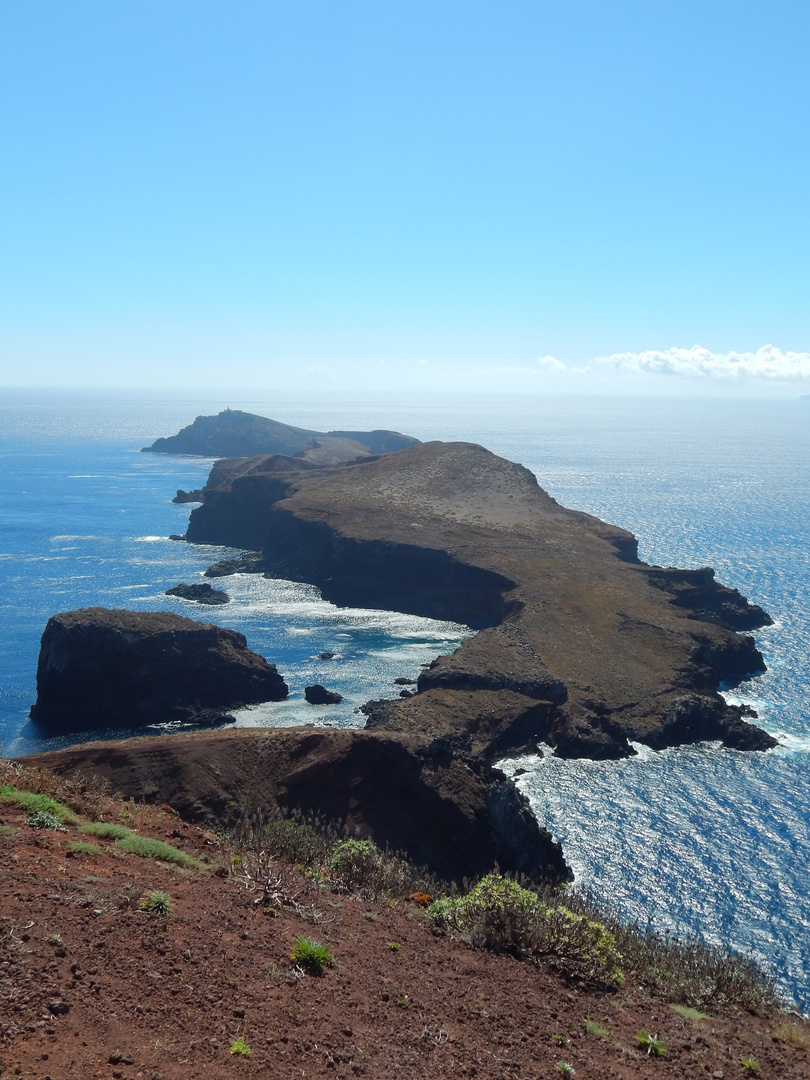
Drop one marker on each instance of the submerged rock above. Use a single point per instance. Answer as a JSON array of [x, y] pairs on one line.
[[101, 668]]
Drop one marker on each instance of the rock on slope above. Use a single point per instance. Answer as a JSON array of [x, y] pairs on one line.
[[101, 668]]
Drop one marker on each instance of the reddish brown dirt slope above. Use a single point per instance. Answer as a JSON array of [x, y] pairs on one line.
[[120, 993]]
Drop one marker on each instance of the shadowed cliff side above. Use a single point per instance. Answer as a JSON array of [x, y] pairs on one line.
[[600, 648], [453, 814]]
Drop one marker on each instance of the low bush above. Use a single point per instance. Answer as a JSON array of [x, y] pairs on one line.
[[148, 848], [240, 1047], [44, 819], [108, 830], [82, 847], [37, 803], [502, 915]]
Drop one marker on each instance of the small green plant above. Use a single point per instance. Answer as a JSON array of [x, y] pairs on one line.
[[44, 819], [750, 1066], [156, 903], [402, 999], [651, 1044], [147, 848], [688, 1013], [34, 803], [594, 1028], [312, 956], [564, 1069], [560, 1040], [7, 830], [393, 946], [108, 830], [82, 847], [240, 1047], [54, 939]]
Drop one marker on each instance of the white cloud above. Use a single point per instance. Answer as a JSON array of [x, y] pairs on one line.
[[550, 363], [766, 363]]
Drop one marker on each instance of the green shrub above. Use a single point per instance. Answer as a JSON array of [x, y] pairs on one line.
[[502, 915], [156, 903], [37, 803], [106, 829], [750, 1066], [148, 848], [312, 956], [351, 861], [44, 819], [81, 847], [566, 1069]]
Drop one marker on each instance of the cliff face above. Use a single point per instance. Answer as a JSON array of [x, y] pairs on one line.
[[590, 646], [457, 817], [101, 668]]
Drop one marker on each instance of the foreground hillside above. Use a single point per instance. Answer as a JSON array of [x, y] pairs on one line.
[[93, 985]]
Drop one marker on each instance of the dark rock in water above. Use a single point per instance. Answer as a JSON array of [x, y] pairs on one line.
[[202, 593], [402, 681], [196, 495], [101, 668], [326, 656], [319, 695], [248, 563]]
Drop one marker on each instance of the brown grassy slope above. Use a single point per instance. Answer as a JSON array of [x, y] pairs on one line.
[[93, 987]]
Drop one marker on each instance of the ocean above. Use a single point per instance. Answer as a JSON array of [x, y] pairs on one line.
[[699, 840]]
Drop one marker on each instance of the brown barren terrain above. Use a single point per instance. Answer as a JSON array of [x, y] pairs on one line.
[[93, 987]]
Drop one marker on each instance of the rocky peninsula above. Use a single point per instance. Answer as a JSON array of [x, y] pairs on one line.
[[579, 643]]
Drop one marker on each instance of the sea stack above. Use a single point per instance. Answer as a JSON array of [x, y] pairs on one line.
[[102, 668]]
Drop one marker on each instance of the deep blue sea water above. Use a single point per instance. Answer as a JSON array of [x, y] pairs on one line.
[[698, 840]]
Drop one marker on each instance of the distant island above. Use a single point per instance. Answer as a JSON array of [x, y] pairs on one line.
[[235, 434]]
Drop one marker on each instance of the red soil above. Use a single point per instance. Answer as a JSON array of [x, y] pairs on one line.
[[121, 993]]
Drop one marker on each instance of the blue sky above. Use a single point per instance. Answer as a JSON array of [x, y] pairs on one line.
[[496, 196]]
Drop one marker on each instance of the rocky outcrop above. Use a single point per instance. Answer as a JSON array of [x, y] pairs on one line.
[[457, 817], [101, 668], [201, 594], [579, 643], [319, 695], [236, 434]]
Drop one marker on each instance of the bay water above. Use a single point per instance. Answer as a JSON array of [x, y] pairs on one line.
[[697, 840]]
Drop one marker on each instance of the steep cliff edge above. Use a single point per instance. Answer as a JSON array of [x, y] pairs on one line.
[[457, 816], [101, 668], [591, 647]]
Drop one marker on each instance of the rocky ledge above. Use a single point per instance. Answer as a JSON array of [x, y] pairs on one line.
[[579, 644], [101, 668]]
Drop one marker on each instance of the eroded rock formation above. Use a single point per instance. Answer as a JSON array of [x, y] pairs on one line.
[[102, 668]]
